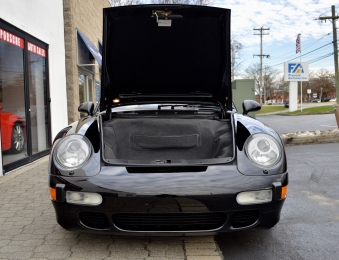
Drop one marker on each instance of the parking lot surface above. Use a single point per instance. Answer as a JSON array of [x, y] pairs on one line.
[[290, 124], [28, 229], [309, 224]]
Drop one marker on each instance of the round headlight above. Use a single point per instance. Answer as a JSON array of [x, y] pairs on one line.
[[73, 151], [263, 150]]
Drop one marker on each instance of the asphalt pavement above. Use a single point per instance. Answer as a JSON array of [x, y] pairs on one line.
[[288, 124], [309, 223]]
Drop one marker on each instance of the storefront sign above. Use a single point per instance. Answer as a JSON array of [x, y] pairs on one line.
[[36, 49], [11, 38], [296, 71]]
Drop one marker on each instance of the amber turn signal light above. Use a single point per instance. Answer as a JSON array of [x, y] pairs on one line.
[[52, 192], [283, 192]]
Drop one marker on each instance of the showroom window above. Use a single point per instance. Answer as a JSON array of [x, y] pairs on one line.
[[38, 97], [12, 97], [24, 97], [85, 87], [86, 68]]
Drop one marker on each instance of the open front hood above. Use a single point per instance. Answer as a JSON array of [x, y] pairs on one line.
[[166, 53]]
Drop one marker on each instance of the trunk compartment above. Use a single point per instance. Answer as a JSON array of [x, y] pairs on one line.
[[166, 140]]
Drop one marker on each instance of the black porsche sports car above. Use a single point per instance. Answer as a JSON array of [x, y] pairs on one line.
[[165, 152]]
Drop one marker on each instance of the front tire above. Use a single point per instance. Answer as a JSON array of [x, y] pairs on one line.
[[18, 138]]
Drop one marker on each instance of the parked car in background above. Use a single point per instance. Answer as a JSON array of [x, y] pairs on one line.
[[166, 153], [326, 99], [13, 134], [316, 100], [287, 104]]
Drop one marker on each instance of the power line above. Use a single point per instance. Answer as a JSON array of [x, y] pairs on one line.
[[320, 58], [303, 54], [307, 46], [317, 41]]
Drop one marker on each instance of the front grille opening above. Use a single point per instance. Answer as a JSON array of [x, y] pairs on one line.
[[95, 220], [243, 219], [169, 222]]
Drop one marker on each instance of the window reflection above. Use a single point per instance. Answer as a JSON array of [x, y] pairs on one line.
[[12, 101], [85, 89], [90, 89], [38, 98], [81, 88]]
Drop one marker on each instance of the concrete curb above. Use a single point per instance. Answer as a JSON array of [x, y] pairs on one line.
[[309, 139]]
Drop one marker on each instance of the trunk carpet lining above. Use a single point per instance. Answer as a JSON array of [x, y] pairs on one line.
[[167, 139]]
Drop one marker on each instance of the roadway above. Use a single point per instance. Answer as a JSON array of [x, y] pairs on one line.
[[289, 124], [309, 223]]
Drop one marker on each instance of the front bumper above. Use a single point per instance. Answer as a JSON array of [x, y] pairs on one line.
[[160, 204]]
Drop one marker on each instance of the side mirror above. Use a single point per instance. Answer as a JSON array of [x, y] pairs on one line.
[[250, 106], [86, 107]]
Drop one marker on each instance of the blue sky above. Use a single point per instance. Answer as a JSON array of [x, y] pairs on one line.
[[285, 19]]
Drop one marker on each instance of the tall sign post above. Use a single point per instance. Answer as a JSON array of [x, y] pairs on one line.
[[298, 49], [294, 72], [309, 91]]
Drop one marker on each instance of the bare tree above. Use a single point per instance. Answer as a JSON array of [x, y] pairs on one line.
[[271, 82], [124, 2], [270, 78], [236, 63], [322, 82], [282, 89], [252, 72]]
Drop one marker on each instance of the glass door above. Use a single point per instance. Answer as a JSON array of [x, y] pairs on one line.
[[12, 98], [24, 98], [37, 97]]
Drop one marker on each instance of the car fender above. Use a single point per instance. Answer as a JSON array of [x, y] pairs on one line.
[[247, 126]]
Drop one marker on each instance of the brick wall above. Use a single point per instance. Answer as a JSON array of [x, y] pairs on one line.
[[86, 15]]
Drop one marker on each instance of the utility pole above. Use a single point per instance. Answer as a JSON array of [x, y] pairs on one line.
[[334, 17], [261, 55]]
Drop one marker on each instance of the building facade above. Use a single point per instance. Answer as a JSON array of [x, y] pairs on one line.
[[33, 99], [83, 37], [50, 60]]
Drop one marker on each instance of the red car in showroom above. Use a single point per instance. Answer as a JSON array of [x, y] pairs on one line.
[[12, 132]]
